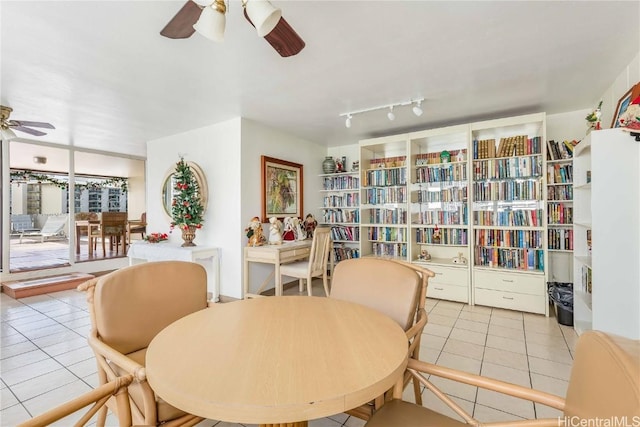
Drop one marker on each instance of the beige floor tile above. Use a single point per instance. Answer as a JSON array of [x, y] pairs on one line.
[[7, 398], [445, 311], [432, 342], [556, 341], [506, 322], [470, 325], [341, 418], [463, 348], [7, 330], [27, 319], [506, 358], [507, 344], [557, 354], [65, 346], [16, 349], [14, 415], [454, 388], [549, 385], [12, 339], [77, 323], [439, 319], [462, 363], [18, 375], [324, 422], [79, 314], [504, 332], [503, 373], [475, 316], [92, 380], [429, 355], [43, 383], [551, 328], [437, 330], [477, 309], [549, 368], [353, 422], [454, 305], [507, 314], [24, 359], [48, 400], [75, 356], [84, 368], [478, 338], [547, 412], [65, 335], [501, 402], [43, 332], [486, 414], [429, 400]]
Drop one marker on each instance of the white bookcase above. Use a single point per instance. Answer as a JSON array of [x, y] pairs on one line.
[[341, 211], [609, 205]]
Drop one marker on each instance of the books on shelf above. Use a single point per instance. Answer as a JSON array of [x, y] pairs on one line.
[[333, 216], [447, 236], [342, 252], [341, 182], [380, 195], [387, 216], [560, 239], [519, 145], [559, 213], [559, 174], [387, 234], [560, 150], [513, 167], [560, 192], [518, 259], [346, 233], [436, 157], [509, 218]]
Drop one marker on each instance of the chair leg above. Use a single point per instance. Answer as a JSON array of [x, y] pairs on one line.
[[300, 285], [309, 281], [325, 283], [104, 249]]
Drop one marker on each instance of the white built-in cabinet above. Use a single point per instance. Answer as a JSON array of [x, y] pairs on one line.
[[478, 219], [607, 233]]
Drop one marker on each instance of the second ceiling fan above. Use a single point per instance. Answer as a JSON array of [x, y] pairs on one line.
[[208, 17]]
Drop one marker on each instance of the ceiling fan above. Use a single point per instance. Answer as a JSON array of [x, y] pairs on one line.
[[8, 126], [208, 18]]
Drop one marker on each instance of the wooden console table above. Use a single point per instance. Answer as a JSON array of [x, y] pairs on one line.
[[207, 256]]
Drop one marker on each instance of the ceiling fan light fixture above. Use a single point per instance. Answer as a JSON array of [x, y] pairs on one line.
[[417, 109], [390, 115], [212, 21], [263, 15], [347, 122], [7, 134]]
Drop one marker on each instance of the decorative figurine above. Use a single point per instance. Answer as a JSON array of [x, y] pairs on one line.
[[460, 156], [355, 166], [310, 225], [593, 119], [436, 235], [424, 255], [459, 259], [275, 231], [445, 157], [339, 165], [298, 229], [289, 233], [254, 232]]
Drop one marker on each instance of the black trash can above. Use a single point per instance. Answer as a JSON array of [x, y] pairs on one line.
[[562, 296]]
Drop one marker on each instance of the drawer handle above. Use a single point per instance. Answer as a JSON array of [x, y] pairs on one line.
[[509, 298], [439, 289], [507, 280]]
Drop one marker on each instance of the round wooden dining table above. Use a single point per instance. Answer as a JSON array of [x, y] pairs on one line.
[[276, 360]]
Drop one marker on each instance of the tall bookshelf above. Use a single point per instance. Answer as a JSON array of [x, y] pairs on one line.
[[439, 209], [508, 213], [582, 268], [607, 207], [341, 211], [384, 197]]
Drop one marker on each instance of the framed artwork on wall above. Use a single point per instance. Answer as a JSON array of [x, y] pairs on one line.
[[282, 188], [623, 103]]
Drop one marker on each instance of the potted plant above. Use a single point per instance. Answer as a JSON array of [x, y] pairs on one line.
[[186, 206]]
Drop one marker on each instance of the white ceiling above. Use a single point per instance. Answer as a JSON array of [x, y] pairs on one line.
[[103, 75]]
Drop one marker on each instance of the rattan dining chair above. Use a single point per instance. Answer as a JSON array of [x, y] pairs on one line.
[[395, 288], [112, 225], [128, 308], [604, 385], [315, 266], [98, 397]]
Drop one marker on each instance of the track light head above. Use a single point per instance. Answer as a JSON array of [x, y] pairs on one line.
[[417, 109], [390, 114], [347, 122]]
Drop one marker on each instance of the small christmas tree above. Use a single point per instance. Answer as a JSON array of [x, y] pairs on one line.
[[186, 206]]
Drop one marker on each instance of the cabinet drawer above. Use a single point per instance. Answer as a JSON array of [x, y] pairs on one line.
[[510, 282], [449, 275], [448, 292], [510, 300]]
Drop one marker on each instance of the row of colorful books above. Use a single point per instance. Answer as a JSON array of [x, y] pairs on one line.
[[520, 259], [560, 150], [345, 182]]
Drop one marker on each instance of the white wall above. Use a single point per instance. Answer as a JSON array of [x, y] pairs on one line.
[[258, 140], [216, 149], [628, 77]]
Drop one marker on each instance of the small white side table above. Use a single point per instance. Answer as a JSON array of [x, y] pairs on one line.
[[207, 256]]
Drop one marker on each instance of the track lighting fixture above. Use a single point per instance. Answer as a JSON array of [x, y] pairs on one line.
[[417, 110], [347, 122], [390, 114]]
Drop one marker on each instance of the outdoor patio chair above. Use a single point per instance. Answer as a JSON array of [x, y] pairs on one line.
[[53, 227]]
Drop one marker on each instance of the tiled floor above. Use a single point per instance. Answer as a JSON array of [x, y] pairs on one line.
[[45, 359]]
